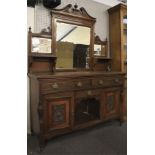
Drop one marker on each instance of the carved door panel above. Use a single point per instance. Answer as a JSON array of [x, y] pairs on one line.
[[59, 113], [112, 103]]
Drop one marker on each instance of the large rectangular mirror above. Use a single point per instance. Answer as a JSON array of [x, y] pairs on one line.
[[72, 46], [72, 38]]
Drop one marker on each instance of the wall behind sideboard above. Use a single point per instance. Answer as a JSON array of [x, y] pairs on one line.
[[41, 17], [30, 18]]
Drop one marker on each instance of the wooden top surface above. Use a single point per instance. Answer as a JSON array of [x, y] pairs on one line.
[[117, 7], [74, 74]]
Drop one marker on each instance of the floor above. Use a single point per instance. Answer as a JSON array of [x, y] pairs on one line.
[[106, 139]]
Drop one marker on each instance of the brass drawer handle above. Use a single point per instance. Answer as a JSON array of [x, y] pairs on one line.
[[79, 84], [101, 82], [55, 86], [116, 80], [89, 92]]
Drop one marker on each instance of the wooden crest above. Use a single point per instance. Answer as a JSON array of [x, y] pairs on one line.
[[99, 41], [73, 11]]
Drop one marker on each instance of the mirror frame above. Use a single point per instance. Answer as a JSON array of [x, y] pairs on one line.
[[40, 58], [45, 35], [73, 15]]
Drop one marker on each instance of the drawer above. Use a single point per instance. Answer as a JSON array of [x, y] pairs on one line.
[[82, 84], [56, 86], [87, 93], [102, 81], [60, 85]]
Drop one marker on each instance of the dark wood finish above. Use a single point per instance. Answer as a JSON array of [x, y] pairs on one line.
[[59, 100], [58, 114], [112, 100], [65, 89]]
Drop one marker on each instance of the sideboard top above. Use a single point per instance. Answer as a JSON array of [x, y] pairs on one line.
[[73, 74]]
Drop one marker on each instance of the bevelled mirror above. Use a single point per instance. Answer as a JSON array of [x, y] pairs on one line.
[[73, 38], [72, 46], [40, 43]]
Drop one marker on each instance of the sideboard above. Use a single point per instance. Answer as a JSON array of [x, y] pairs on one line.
[[64, 102]]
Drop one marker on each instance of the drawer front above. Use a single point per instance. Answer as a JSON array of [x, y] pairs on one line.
[[56, 86], [60, 85], [87, 93], [82, 84], [106, 82]]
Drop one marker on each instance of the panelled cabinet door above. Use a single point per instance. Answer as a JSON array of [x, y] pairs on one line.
[[59, 113], [112, 102]]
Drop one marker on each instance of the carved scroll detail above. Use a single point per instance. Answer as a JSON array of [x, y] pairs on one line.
[[73, 10]]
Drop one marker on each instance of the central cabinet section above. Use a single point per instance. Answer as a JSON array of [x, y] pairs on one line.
[[87, 106]]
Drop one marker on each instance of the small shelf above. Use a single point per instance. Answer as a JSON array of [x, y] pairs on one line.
[[42, 35], [42, 55], [101, 57], [39, 62]]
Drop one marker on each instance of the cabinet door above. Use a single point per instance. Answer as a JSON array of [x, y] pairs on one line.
[[59, 113], [112, 103]]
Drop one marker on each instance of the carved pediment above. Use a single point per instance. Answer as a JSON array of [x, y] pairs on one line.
[[99, 41], [73, 10]]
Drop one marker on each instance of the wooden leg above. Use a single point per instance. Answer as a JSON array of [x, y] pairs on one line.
[[42, 144], [120, 121]]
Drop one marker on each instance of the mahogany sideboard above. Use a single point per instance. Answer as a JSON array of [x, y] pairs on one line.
[[71, 87], [64, 102]]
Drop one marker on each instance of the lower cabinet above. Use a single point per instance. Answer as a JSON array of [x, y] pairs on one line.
[[59, 106], [58, 110], [66, 110]]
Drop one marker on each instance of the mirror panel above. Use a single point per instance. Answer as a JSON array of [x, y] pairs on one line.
[[100, 47], [125, 38], [99, 50], [73, 42], [41, 45]]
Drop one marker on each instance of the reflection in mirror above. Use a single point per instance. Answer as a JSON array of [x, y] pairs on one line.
[[125, 19], [72, 46], [125, 37], [125, 22], [41, 45], [99, 50]]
